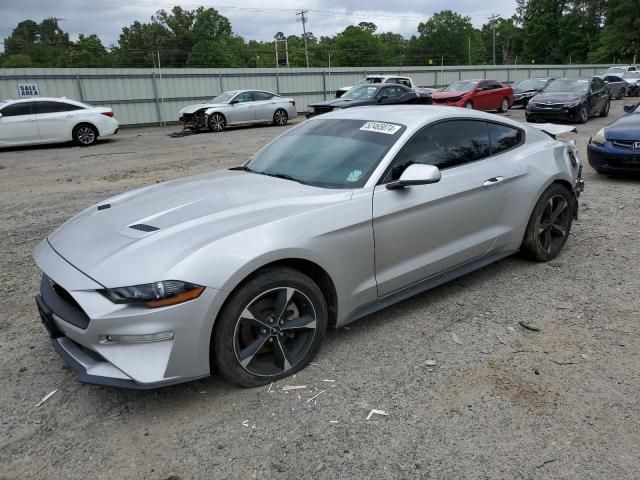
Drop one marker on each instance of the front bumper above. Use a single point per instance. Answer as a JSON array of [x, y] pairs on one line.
[[609, 159], [569, 114], [458, 103], [79, 319]]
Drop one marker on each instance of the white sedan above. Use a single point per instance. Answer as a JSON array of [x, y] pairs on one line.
[[238, 107], [43, 120]]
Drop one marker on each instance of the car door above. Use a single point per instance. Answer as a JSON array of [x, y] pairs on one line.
[[423, 230], [265, 106], [482, 96], [599, 95], [388, 95], [18, 125], [241, 109], [55, 119]]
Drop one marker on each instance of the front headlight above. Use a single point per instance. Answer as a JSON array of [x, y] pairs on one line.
[[573, 104], [154, 295], [311, 109], [531, 103], [598, 139]]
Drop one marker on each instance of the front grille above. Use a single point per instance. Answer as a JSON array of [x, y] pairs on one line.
[[628, 162], [144, 228], [624, 143], [62, 303], [322, 109]]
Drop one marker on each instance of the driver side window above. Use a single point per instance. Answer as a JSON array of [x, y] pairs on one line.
[[244, 97], [446, 144]]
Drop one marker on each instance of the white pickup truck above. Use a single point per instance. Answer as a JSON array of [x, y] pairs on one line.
[[406, 81]]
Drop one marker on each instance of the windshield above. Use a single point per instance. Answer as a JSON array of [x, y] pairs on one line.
[[616, 70], [465, 86], [363, 92], [328, 153], [567, 85], [223, 97], [531, 84]]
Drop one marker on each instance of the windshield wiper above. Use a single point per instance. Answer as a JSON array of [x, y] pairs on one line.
[[284, 176], [242, 169]]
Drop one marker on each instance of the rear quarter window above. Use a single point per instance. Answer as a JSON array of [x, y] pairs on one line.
[[503, 138]]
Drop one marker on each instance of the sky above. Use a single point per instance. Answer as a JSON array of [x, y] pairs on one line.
[[252, 19]]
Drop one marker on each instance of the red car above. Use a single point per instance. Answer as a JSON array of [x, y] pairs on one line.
[[476, 94]]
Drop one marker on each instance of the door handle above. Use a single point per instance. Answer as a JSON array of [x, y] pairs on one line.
[[492, 181]]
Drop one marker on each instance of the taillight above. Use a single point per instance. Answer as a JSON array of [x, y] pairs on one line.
[[108, 114], [292, 102]]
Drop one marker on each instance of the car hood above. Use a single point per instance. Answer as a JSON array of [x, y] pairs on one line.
[[186, 215], [520, 91], [559, 97], [625, 128], [340, 103], [448, 95], [195, 108]]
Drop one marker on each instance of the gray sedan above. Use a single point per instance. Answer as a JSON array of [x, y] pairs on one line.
[[241, 271], [238, 107], [617, 85]]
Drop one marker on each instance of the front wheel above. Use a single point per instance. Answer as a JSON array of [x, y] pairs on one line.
[[280, 117], [504, 105], [85, 135], [271, 327], [469, 104], [549, 224], [605, 110], [217, 122], [583, 114]]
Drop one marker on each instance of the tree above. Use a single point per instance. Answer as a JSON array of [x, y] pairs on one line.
[[17, 60], [45, 44], [621, 36], [88, 51], [357, 46], [445, 37], [508, 41]]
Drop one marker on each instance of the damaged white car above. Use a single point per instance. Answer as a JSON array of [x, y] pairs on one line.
[[238, 107]]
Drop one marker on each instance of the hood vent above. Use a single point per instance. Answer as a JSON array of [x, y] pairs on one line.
[[144, 228], [104, 206]]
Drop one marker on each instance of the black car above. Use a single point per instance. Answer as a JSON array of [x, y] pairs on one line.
[[523, 90], [373, 94], [570, 99]]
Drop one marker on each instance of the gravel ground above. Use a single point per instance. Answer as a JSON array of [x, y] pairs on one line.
[[500, 402]]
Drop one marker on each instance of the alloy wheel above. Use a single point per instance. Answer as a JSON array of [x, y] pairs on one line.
[[85, 135], [280, 118], [554, 224], [274, 331], [217, 122], [504, 106]]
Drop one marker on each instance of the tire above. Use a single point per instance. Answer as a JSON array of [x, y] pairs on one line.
[[549, 225], [249, 349], [504, 105], [621, 93], [216, 122], [583, 114], [85, 134], [606, 108], [468, 104], [280, 117]]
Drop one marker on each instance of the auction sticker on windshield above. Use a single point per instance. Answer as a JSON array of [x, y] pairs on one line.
[[380, 127]]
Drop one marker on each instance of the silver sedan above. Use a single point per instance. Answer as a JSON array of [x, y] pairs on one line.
[[242, 271], [238, 107]]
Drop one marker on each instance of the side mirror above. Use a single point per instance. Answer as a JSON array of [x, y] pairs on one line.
[[416, 174], [233, 102]]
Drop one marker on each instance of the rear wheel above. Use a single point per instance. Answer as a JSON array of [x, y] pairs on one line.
[[621, 93], [85, 134], [605, 110], [217, 122], [549, 225], [280, 117], [468, 104], [504, 105], [271, 327]]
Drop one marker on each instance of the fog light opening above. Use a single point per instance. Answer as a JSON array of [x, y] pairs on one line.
[[143, 338]]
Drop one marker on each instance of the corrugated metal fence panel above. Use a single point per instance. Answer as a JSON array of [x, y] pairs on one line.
[[140, 96]]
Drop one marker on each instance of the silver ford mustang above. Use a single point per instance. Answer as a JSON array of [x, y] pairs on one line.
[[241, 271]]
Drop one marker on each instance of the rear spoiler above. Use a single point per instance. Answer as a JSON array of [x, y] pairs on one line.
[[552, 129]]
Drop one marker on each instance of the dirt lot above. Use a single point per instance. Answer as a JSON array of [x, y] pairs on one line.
[[505, 402]]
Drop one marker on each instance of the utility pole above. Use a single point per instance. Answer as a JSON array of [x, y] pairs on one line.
[[493, 19], [303, 19], [469, 38]]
